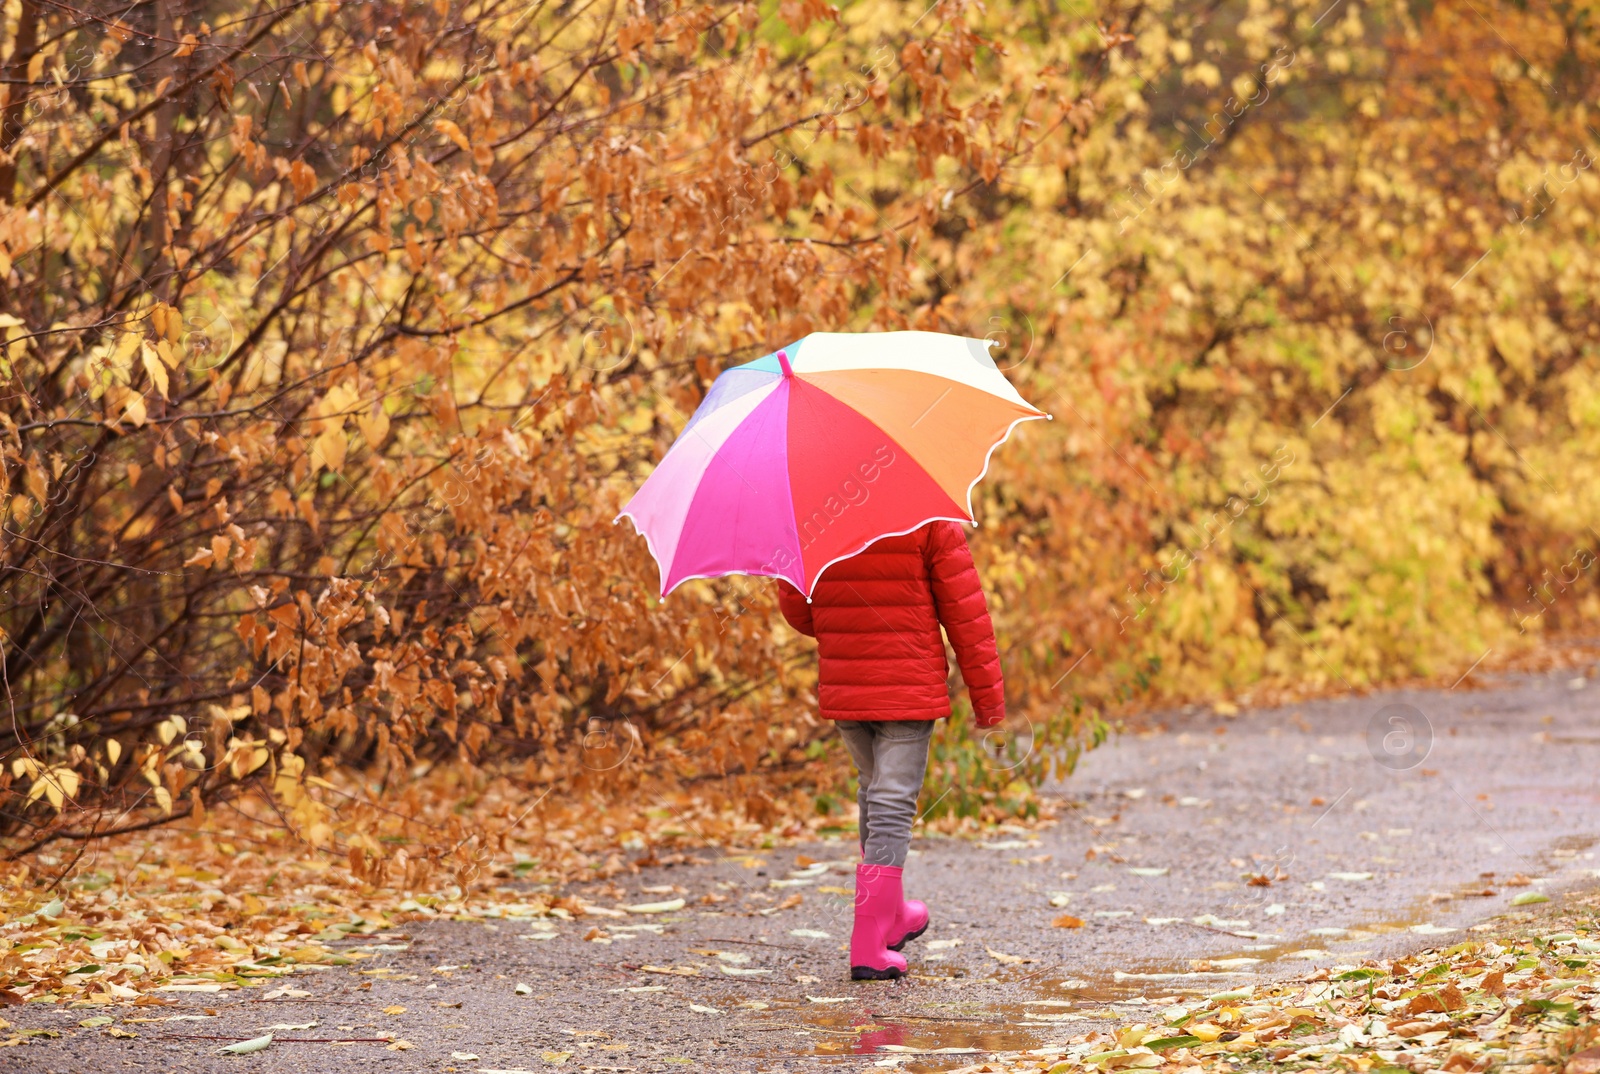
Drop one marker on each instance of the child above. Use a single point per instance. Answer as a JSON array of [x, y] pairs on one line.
[[882, 672]]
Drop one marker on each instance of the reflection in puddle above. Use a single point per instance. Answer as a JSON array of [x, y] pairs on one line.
[[926, 1041]]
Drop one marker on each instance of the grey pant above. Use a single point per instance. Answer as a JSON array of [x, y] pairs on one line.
[[892, 757]]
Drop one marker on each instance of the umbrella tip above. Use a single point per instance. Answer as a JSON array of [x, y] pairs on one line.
[[783, 363]]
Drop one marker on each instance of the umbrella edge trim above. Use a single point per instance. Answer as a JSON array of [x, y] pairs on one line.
[[650, 545]]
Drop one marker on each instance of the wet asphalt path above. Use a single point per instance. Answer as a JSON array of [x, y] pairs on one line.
[[1363, 837]]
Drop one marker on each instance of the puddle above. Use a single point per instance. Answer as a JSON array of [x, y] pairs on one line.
[[929, 1040], [938, 1031]]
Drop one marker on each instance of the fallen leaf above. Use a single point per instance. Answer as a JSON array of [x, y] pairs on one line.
[[1528, 898], [557, 1058], [600, 911], [463, 1057], [655, 907], [1350, 876], [909, 1049], [1232, 994], [1009, 960], [522, 990], [97, 1020], [1065, 921], [829, 999], [810, 934], [245, 1047], [701, 1009], [1584, 1062], [1409, 1030], [737, 971], [399, 1046], [675, 971], [1143, 871], [217, 988], [121, 1034], [284, 992], [290, 1027], [396, 1009], [738, 958]]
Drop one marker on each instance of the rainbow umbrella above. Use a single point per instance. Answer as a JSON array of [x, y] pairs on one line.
[[804, 457]]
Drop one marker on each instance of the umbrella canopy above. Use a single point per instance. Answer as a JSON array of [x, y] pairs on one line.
[[805, 456]]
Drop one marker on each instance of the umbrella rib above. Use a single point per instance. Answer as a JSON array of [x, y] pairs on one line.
[[716, 453], [931, 405]]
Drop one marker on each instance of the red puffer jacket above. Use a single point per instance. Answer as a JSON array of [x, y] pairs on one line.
[[876, 618]]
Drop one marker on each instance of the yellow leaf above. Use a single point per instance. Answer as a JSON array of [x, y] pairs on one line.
[[374, 429], [1009, 960], [453, 132], [203, 558], [69, 781], [329, 449], [113, 750], [122, 357], [163, 799], [154, 367], [168, 349], [396, 1009], [135, 411]]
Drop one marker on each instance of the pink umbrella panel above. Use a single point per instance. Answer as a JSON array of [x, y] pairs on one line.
[[790, 465]]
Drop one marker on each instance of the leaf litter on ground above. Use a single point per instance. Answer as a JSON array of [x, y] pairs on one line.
[[1520, 997]]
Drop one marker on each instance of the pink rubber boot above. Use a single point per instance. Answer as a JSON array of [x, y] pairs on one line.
[[878, 899], [910, 921]]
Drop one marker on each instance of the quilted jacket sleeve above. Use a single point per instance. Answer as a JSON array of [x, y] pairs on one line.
[[795, 609], [958, 598]]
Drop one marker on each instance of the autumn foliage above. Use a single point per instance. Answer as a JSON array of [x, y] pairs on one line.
[[335, 334]]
